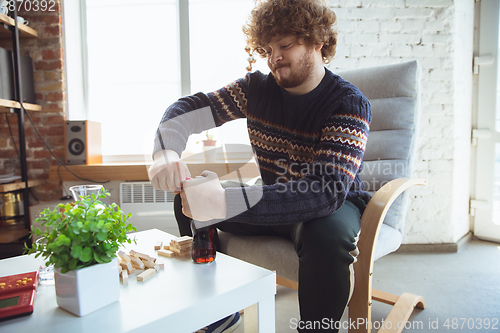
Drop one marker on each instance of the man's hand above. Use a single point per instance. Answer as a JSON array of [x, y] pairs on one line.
[[168, 171], [203, 198]]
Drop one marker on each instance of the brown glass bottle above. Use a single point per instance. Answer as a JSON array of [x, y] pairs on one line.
[[203, 249]]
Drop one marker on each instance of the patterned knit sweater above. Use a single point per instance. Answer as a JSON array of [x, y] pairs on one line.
[[309, 147]]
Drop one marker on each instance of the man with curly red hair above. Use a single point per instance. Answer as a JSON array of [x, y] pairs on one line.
[[308, 128]]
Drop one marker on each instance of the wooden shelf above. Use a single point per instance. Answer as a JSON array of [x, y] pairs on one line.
[[12, 234], [20, 185], [6, 104], [24, 30], [139, 171]]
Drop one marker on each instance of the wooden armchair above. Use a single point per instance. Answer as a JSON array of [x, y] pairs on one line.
[[394, 93]]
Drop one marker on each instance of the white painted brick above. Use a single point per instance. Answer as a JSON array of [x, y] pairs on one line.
[[358, 51], [433, 108], [373, 13], [441, 74], [412, 25], [441, 165], [342, 51], [414, 13], [380, 50], [391, 26], [392, 38], [360, 38], [347, 3], [344, 26], [375, 61], [429, 63], [367, 26], [442, 50], [404, 51], [436, 26], [428, 3], [441, 96], [342, 13], [386, 3], [344, 63], [437, 39], [422, 50]]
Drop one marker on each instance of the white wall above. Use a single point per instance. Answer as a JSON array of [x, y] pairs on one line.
[[439, 34]]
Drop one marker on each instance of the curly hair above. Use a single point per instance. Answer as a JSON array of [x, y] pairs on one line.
[[311, 20]]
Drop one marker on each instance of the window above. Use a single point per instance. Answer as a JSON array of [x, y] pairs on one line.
[[133, 64]]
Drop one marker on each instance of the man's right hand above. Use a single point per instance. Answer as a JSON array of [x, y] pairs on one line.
[[168, 171]]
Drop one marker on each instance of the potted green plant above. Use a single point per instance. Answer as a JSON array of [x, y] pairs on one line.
[[81, 240]]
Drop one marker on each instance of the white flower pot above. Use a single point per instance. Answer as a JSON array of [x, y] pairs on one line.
[[85, 290], [209, 153]]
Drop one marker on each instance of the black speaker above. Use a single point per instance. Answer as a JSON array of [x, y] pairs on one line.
[[83, 142], [27, 80], [7, 88]]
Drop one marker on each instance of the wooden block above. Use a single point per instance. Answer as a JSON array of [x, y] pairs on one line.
[[184, 254], [124, 278], [166, 247], [166, 253], [120, 269], [148, 264], [137, 263], [158, 245], [160, 265], [146, 275], [182, 240], [127, 266], [140, 255], [182, 250], [138, 267], [157, 267], [124, 256], [180, 246]]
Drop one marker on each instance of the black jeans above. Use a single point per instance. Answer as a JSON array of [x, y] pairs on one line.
[[326, 248]]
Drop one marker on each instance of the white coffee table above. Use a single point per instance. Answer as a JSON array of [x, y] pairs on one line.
[[183, 297]]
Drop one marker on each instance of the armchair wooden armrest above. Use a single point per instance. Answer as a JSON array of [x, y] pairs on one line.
[[371, 222]]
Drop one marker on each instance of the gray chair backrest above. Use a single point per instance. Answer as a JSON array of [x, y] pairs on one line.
[[394, 94]]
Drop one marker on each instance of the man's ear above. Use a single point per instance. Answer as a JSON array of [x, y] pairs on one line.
[[318, 47]]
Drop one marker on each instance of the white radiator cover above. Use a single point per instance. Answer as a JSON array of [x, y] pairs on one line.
[[150, 208]]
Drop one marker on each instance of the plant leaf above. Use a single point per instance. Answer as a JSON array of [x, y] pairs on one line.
[[86, 254], [102, 236], [97, 257], [76, 251]]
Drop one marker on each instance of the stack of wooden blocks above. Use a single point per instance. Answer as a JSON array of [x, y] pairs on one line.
[[133, 261], [179, 247]]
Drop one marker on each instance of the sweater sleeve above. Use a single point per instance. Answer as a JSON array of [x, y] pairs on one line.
[[199, 112], [329, 177]]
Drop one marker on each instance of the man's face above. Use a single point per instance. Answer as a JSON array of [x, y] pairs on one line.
[[291, 61]]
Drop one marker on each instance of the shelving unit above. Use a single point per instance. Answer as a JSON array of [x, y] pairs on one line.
[[24, 30], [11, 237], [6, 105]]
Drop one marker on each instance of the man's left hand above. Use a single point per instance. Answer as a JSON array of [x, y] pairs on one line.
[[203, 198]]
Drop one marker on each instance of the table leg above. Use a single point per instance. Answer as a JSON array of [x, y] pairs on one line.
[[260, 317]]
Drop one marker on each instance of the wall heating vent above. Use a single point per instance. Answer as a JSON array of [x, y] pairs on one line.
[[150, 208], [139, 193]]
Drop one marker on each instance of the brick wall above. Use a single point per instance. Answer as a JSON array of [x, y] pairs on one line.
[[438, 33], [47, 55]]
